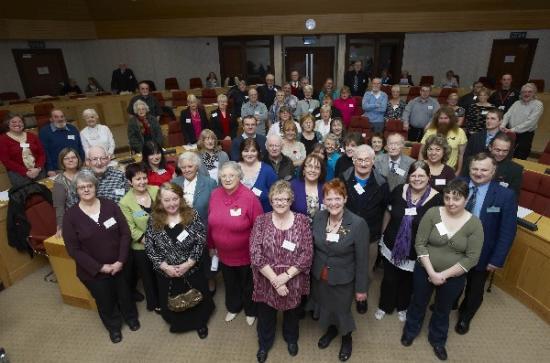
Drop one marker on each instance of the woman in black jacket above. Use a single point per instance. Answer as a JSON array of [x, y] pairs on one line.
[[193, 120]]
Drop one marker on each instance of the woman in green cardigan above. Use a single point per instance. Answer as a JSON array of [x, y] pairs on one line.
[[136, 207]]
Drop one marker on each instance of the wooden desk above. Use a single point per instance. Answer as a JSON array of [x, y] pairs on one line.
[[72, 290], [527, 269], [532, 166]]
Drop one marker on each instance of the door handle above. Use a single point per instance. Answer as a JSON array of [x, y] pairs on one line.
[[311, 77]]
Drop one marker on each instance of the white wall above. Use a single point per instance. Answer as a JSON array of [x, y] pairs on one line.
[[466, 53]]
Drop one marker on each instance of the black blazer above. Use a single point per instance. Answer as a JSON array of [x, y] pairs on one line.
[[511, 173], [349, 78], [266, 95], [187, 127], [476, 144], [215, 123]]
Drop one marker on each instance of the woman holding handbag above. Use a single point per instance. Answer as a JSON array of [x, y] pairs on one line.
[[174, 241]]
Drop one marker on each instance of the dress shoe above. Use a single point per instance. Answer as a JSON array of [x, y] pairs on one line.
[[230, 316], [406, 342], [345, 348], [362, 306], [137, 296], [261, 356], [202, 332], [292, 349], [250, 320], [134, 325], [325, 340], [314, 316], [440, 352], [462, 327], [116, 336]]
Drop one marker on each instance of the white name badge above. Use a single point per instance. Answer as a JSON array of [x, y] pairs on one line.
[[256, 191], [188, 120], [363, 135], [504, 184], [215, 263], [24, 144], [333, 237], [120, 191], [235, 212], [246, 97], [440, 182], [109, 222], [161, 171], [359, 188], [318, 115], [399, 171], [430, 107], [351, 105], [493, 210], [484, 112], [214, 114], [501, 107], [70, 137], [183, 235], [256, 112], [410, 211], [310, 110], [287, 245], [441, 228]]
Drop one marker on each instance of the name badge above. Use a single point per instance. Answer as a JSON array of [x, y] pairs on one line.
[[70, 137], [322, 207], [501, 107], [351, 105], [430, 107], [256, 191], [318, 115], [246, 97], [363, 135], [484, 112], [287, 245], [399, 171], [214, 114], [493, 210], [256, 112], [441, 228], [161, 171], [183, 235], [235, 212], [504, 184], [120, 191], [24, 144], [187, 120], [333, 237], [440, 182], [359, 188], [389, 207], [109, 223], [139, 213], [215, 263], [410, 211], [310, 110]]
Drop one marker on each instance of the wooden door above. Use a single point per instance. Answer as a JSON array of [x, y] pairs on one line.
[[231, 62], [41, 71], [315, 62], [513, 56]]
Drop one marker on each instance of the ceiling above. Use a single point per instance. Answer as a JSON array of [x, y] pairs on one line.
[[97, 10]]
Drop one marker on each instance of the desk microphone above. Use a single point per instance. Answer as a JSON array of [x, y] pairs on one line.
[[530, 225]]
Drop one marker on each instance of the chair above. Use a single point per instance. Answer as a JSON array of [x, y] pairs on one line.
[[41, 216], [545, 156], [42, 113], [9, 96], [535, 192], [394, 126], [3, 127], [358, 110], [414, 92], [226, 146], [171, 83], [361, 125], [426, 81], [179, 98], [17, 102], [159, 97], [415, 150], [195, 83], [444, 94], [386, 89], [208, 95], [175, 135], [539, 83]]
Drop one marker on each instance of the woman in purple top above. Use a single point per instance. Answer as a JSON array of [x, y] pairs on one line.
[[308, 189], [281, 251]]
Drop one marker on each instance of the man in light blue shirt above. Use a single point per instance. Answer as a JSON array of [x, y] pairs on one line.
[[374, 104], [418, 114]]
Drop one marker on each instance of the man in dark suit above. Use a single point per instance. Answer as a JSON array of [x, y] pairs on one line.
[[249, 128], [268, 91], [504, 97], [356, 79], [123, 79], [470, 98], [479, 141], [496, 207], [509, 174], [283, 166]]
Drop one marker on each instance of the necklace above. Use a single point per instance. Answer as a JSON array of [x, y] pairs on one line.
[[334, 227]]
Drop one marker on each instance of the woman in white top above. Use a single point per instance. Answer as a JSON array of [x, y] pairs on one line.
[[323, 125], [96, 134], [292, 148], [284, 116]]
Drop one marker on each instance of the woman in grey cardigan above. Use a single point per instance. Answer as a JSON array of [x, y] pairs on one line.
[[143, 127], [212, 157]]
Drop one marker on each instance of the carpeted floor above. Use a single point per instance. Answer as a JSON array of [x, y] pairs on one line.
[[35, 326]]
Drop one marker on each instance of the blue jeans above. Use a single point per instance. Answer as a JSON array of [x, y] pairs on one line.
[[445, 295]]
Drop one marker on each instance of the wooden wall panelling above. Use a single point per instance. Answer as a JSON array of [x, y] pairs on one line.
[[46, 29]]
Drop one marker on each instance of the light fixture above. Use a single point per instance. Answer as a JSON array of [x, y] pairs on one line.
[[310, 24]]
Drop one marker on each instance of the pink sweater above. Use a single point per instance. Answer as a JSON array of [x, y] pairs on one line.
[[347, 108], [230, 221]]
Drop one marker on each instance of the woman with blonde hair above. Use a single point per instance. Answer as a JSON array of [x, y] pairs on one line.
[[95, 133], [211, 154], [193, 120], [222, 120]]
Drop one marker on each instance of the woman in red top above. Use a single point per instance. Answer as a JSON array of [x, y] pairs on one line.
[[222, 121], [158, 171], [21, 152], [193, 120], [346, 105]]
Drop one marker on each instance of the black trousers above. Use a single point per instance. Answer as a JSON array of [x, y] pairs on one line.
[[267, 323], [144, 268], [114, 300], [396, 288], [238, 289], [473, 294], [445, 295], [415, 134], [524, 141]]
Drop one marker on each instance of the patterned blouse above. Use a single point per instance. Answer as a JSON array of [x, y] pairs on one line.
[[394, 113], [189, 243], [266, 248], [475, 118]]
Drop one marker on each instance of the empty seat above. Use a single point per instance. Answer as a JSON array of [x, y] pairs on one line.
[[426, 81], [361, 125], [414, 92], [179, 98], [175, 135], [415, 150], [226, 146], [394, 126], [535, 192], [208, 95], [41, 217], [42, 113], [9, 96], [159, 97], [195, 83], [171, 83]]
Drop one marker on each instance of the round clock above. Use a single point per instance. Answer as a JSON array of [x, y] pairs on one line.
[[310, 24]]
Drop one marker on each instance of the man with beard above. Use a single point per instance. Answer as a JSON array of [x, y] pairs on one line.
[[444, 123]]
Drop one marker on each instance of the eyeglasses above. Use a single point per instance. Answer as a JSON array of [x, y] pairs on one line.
[[95, 160], [280, 200], [85, 187], [362, 161], [228, 177]]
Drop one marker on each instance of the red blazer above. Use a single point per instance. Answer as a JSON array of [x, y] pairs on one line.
[[11, 157]]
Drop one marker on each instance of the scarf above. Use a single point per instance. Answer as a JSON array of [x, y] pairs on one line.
[[209, 159]]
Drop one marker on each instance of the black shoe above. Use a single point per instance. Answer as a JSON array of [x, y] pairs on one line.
[[325, 340], [362, 306], [116, 336], [462, 327], [440, 352], [137, 296], [292, 349], [345, 348], [313, 316], [406, 342], [202, 332], [157, 310], [261, 356], [134, 325]]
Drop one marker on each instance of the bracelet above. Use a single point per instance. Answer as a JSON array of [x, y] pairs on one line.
[[289, 275]]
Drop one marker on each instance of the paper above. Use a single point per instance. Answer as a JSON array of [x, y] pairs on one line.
[[410, 211], [109, 222], [70, 137], [359, 188], [441, 228], [215, 263], [523, 212], [120, 191], [509, 58], [400, 171], [504, 184], [256, 191], [333, 237], [188, 120], [440, 182], [4, 196], [288, 245], [42, 70], [235, 212]]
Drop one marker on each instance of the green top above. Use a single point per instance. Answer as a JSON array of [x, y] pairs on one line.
[[464, 247], [135, 216]]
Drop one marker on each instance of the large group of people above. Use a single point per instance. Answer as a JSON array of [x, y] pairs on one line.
[[297, 214]]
